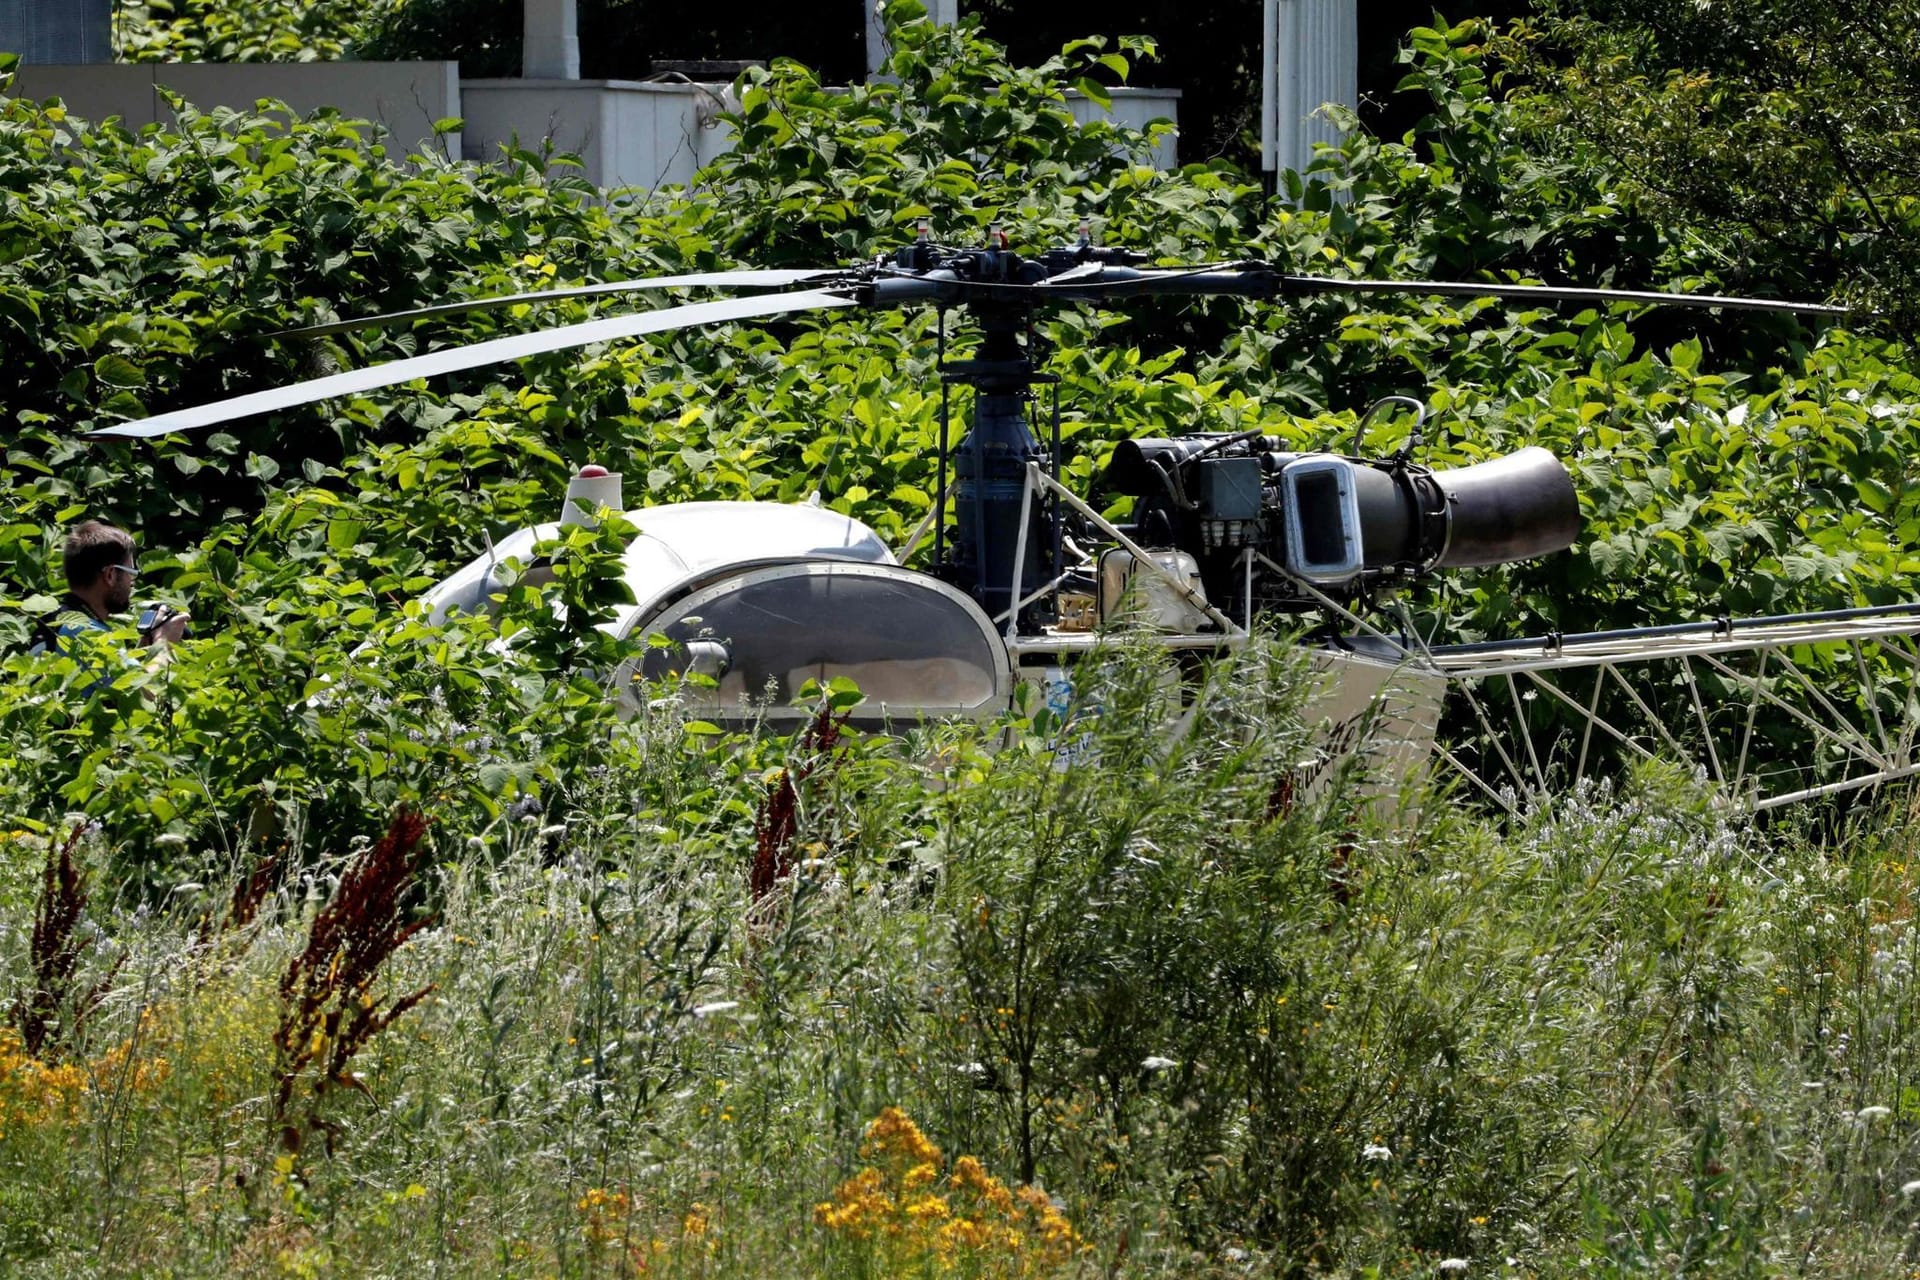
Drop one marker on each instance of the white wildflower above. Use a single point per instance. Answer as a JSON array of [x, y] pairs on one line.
[[1157, 1063], [718, 1006], [1452, 1264], [1865, 1114], [1374, 1151]]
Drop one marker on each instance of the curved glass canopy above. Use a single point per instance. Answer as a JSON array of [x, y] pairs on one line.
[[915, 646]]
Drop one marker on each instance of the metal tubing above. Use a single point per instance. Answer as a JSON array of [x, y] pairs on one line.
[[1029, 598], [1795, 713], [1727, 626], [920, 530], [1105, 526], [1020, 551], [1835, 788], [1054, 514], [940, 497]]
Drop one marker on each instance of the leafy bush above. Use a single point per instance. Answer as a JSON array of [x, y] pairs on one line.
[[1774, 133], [1225, 1021]]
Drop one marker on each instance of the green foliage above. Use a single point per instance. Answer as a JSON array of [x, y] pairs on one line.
[[961, 139], [145, 270], [484, 36], [1778, 134], [230, 31], [1219, 1028], [1721, 469]]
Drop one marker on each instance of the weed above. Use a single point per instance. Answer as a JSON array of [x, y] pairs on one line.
[[329, 1010], [51, 1012], [816, 757]]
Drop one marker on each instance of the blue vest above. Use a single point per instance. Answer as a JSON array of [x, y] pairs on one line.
[[72, 619]]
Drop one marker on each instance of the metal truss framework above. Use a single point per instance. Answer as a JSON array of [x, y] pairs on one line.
[[1770, 711]]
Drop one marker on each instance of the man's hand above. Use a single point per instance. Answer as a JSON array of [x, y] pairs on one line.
[[169, 627]]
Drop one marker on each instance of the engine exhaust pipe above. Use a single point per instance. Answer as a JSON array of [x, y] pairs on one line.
[[1495, 512]]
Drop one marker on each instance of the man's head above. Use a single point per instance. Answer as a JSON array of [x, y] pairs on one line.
[[99, 563]]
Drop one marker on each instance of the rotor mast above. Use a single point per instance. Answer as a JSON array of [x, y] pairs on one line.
[[990, 491]]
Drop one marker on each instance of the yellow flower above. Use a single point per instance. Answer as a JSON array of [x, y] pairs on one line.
[[34, 1092], [970, 1175], [892, 1205], [893, 1134], [606, 1213], [927, 1207]]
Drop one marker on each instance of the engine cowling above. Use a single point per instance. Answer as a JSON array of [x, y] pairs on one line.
[[1339, 523]]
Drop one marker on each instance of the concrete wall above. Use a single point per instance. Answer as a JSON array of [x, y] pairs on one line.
[[406, 97], [627, 134]]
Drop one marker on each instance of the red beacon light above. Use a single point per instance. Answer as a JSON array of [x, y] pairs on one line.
[[592, 488]]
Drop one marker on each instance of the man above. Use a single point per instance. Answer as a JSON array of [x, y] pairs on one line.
[[100, 578]]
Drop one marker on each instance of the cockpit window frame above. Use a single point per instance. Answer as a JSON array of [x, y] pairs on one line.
[[690, 596]]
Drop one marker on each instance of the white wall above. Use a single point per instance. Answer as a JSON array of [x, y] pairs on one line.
[[627, 134], [1134, 108], [406, 97]]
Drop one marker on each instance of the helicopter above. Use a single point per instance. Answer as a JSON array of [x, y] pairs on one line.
[[1027, 577]]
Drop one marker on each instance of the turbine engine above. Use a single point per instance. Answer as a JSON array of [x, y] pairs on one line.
[[1263, 524]]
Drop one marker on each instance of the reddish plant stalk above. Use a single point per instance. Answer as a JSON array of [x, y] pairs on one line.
[[328, 1008], [778, 821]]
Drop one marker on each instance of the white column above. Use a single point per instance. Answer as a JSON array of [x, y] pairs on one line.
[[1269, 85], [550, 44], [943, 12], [1312, 57]]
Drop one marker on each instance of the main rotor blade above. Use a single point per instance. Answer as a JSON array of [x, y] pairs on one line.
[[746, 278], [1554, 293], [1092, 282], [454, 359]]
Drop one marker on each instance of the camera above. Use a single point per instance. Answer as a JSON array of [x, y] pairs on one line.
[[153, 617]]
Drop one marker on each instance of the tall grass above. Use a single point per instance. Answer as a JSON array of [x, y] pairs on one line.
[[1182, 1016]]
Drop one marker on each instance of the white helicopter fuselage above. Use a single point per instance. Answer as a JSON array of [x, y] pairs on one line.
[[763, 597]]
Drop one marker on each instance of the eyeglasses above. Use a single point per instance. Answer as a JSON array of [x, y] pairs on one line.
[[127, 569]]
